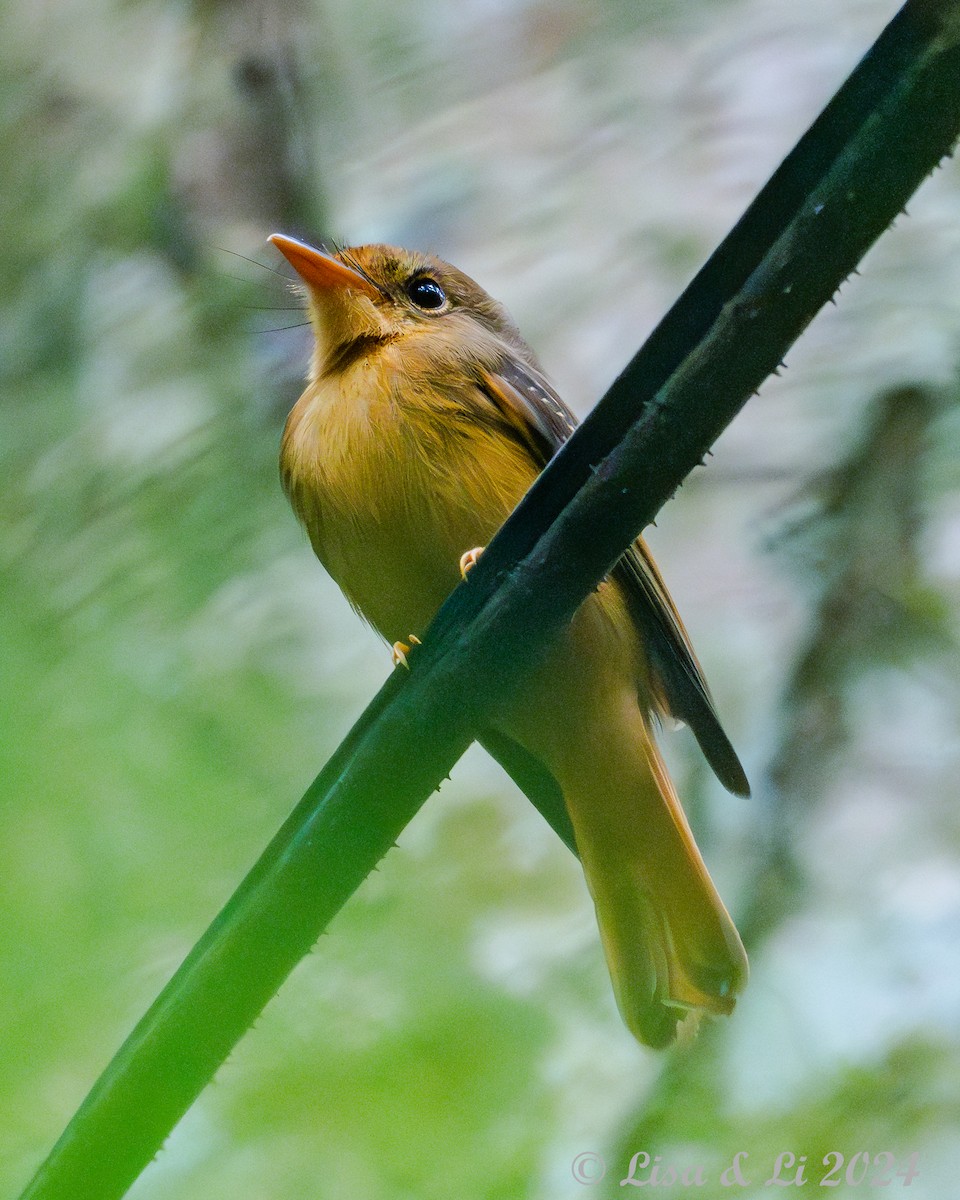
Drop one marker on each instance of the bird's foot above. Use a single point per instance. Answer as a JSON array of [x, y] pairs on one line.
[[400, 651], [469, 560]]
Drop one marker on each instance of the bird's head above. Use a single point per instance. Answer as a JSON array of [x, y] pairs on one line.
[[365, 296]]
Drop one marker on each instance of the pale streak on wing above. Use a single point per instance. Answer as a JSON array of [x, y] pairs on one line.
[[541, 422]]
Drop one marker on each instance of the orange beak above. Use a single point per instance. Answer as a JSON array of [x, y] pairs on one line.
[[320, 270]]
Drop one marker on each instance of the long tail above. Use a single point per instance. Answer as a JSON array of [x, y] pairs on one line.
[[670, 944]]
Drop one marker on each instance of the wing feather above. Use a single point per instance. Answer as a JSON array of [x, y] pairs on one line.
[[534, 414]]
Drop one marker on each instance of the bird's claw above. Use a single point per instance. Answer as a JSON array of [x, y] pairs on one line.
[[400, 650], [469, 559]]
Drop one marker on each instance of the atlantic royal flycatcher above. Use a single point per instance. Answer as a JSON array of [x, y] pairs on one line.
[[425, 419]]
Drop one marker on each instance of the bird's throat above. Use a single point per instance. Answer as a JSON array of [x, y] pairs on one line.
[[352, 350]]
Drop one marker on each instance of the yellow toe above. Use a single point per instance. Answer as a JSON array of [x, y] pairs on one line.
[[400, 650], [469, 559]]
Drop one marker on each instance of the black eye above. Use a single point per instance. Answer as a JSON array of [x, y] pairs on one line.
[[426, 292]]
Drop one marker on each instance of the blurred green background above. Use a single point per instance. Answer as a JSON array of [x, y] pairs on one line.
[[175, 667]]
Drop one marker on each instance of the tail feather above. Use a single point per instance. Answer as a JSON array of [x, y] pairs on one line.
[[670, 944]]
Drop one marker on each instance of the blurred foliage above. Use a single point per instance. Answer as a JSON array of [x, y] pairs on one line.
[[175, 668]]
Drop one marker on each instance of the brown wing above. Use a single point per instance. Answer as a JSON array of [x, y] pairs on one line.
[[534, 414], [674, 664]]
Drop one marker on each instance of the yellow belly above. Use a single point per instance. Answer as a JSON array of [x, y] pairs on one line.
[[393, 492]]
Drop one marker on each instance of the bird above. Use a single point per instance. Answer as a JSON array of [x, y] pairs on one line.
[[425, 419]]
